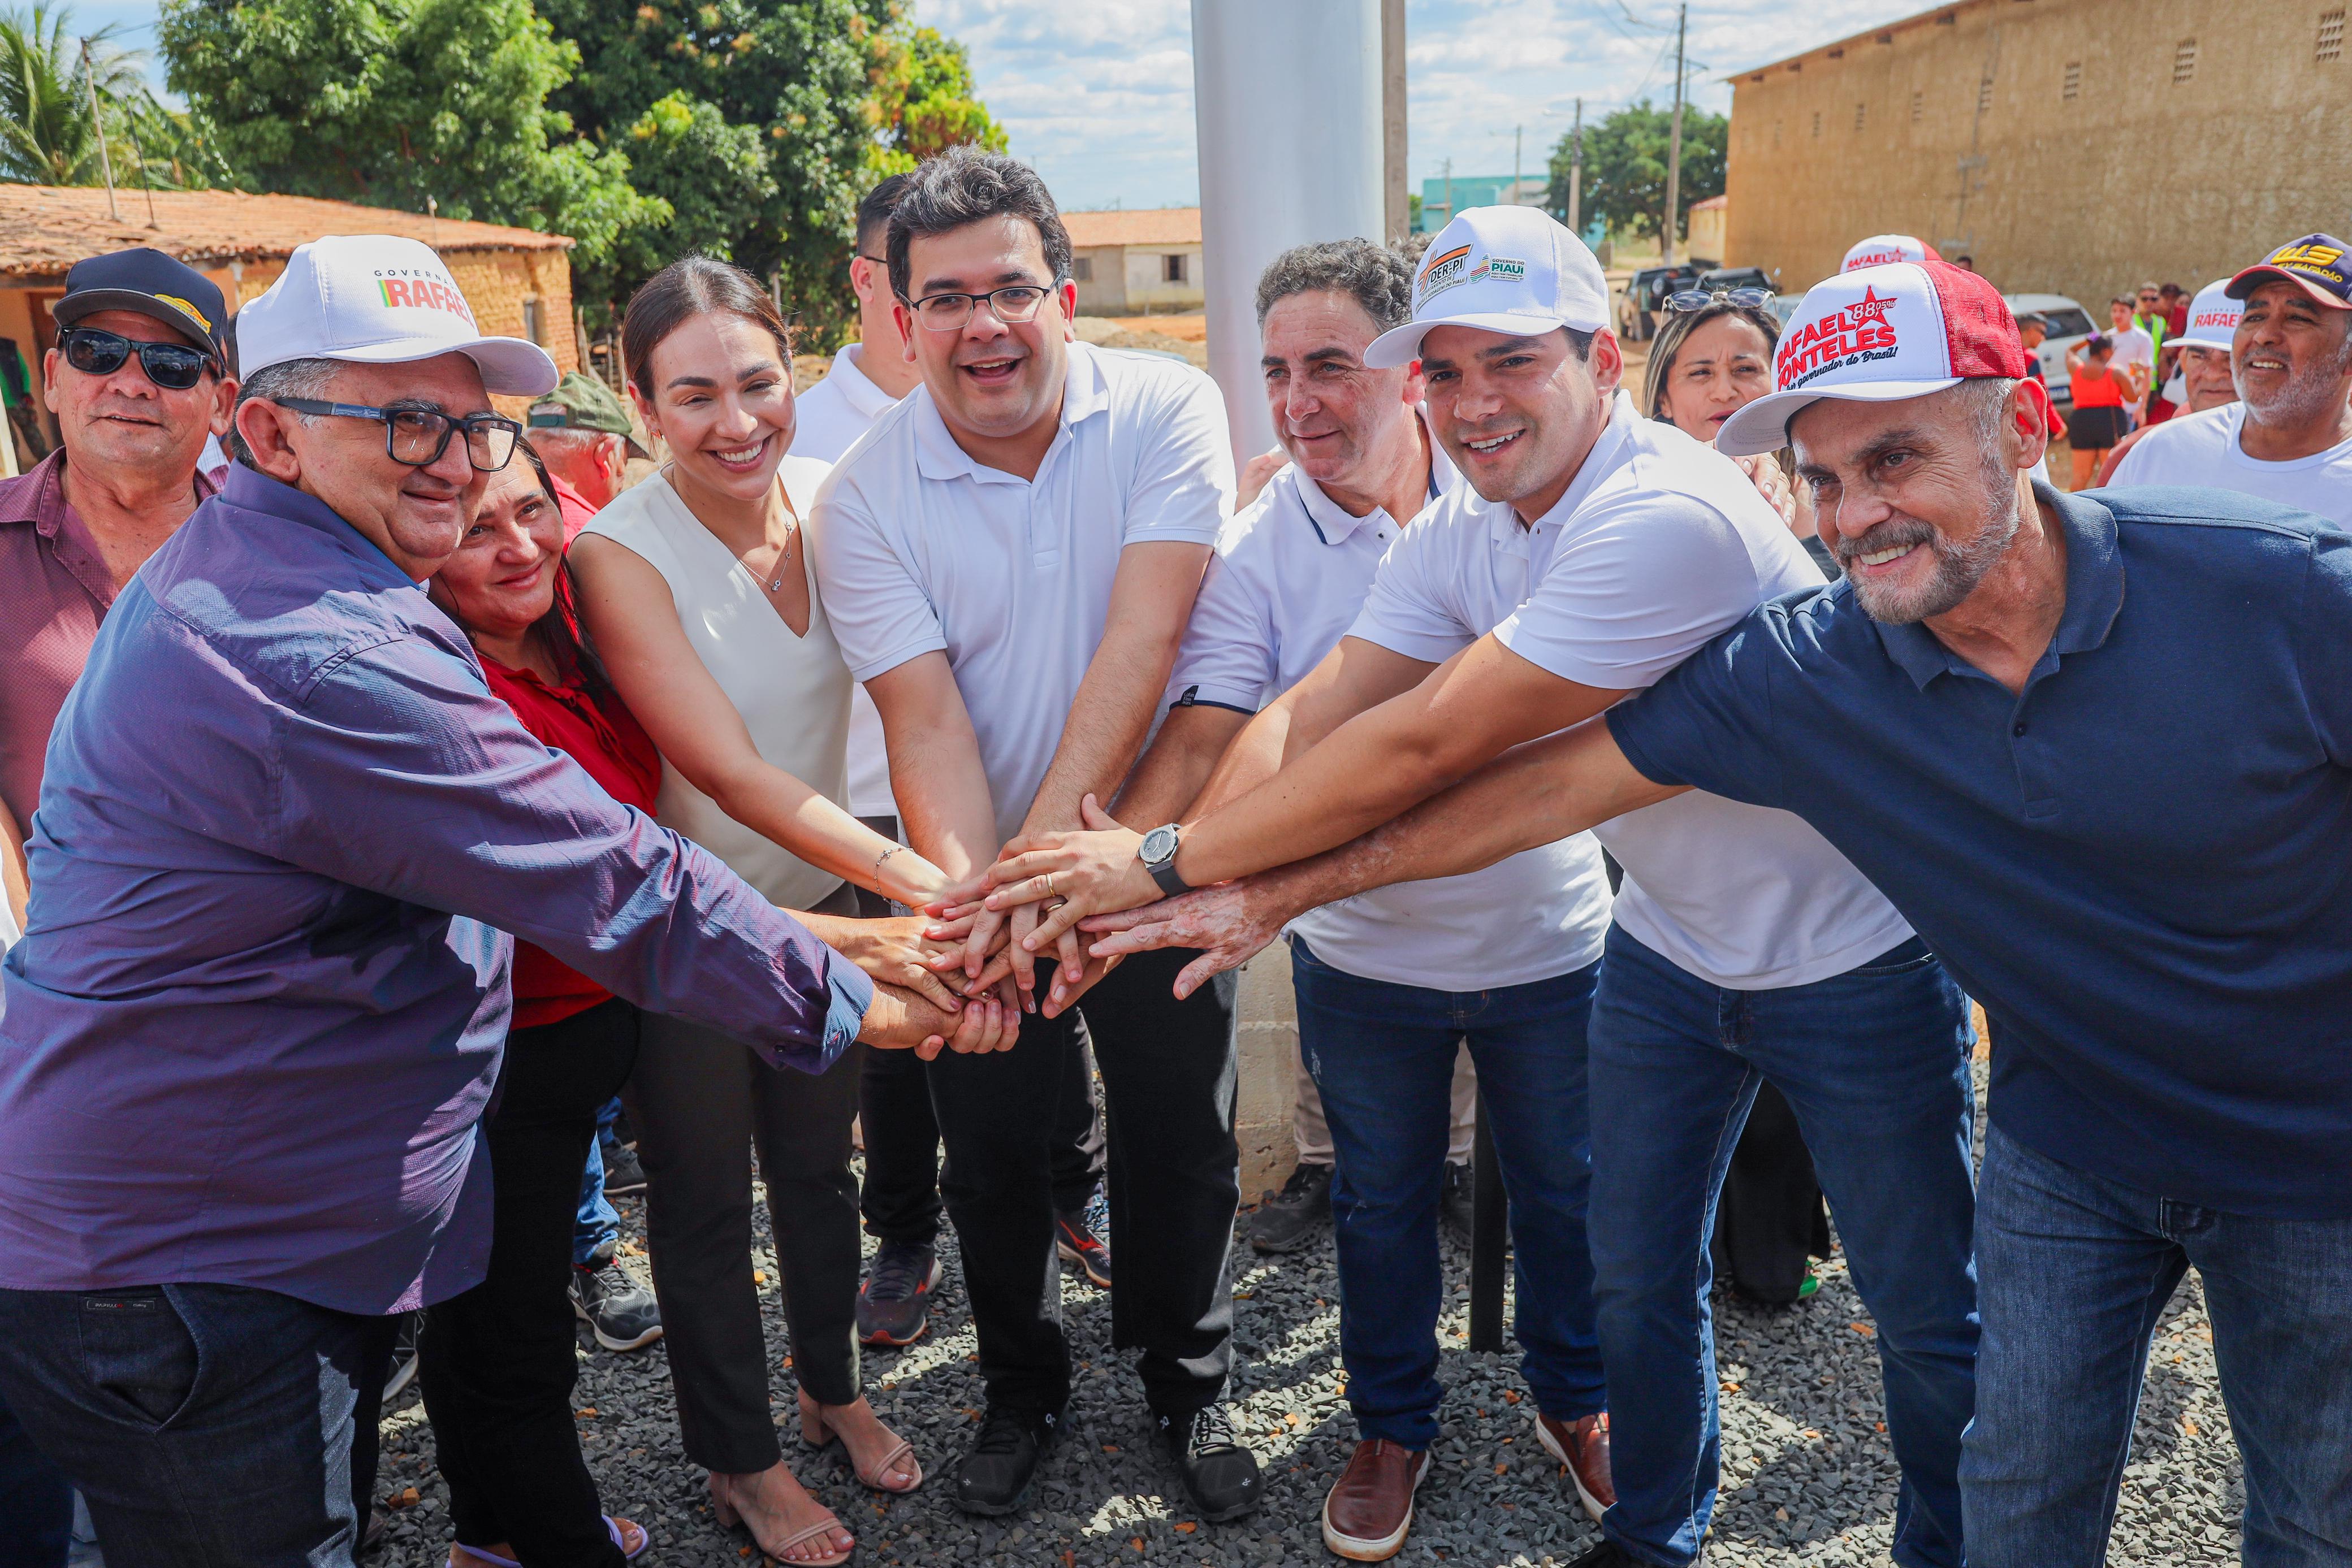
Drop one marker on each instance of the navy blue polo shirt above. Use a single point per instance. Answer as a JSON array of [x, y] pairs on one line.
[[2141, 866]]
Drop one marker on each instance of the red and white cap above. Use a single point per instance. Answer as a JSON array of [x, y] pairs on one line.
[[378, 300], [2213, 318], [1879, 335], [1880, 249]]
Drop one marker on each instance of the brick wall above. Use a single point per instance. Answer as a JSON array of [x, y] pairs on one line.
[[2051, 141]]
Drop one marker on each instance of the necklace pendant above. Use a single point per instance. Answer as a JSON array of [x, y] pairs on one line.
[[777, 586]]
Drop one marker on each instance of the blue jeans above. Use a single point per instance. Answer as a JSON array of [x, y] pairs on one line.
[[2076, 1270], [598, 1229], [35, 1501], [1874, 1063], [1381, 1055], [204, 1424]]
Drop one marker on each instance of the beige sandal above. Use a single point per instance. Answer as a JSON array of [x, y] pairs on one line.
[[730, 1517], [875, 1479]]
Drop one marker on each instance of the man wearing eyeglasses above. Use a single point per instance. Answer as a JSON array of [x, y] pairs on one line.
[[259, 1006], [1008, 558]]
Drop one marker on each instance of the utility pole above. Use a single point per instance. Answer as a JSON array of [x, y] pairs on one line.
[[1675, 143], [1576, 173], [97, 129]]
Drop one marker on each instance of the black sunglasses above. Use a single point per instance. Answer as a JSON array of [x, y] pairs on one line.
[[100, 354], [1700, 299], [418, 436]]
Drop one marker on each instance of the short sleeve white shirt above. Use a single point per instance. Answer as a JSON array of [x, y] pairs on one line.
[[827, 420], [2133, 347], [1288, 580], [920, 548], [1658, 545], [2203, 449]]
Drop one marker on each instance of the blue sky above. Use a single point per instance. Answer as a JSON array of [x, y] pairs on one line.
[[1099, 93]]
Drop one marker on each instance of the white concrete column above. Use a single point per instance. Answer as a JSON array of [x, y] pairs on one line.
[[1289, 99]]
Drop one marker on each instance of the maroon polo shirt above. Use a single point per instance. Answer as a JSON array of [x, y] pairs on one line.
[[54, 591]]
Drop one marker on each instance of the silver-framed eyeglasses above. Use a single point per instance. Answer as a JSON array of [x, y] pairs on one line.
[[1700, 299], [1012, 304], [418, 436]]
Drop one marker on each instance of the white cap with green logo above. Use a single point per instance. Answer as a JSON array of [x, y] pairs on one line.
[[1515, 270]]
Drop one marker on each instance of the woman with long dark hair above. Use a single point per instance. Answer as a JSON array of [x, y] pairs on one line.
[[697, 589], [497, 1362]]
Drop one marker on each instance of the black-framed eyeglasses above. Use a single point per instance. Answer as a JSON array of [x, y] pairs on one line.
[[97, 353], [1012, 305], [1700, 299], [418, 436]]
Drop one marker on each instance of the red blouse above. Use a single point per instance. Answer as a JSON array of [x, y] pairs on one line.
[[607, 739]]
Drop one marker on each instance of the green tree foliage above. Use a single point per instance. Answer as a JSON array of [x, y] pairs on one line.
[[1625, 167], [390, 103], [923, 101], [46, 137]]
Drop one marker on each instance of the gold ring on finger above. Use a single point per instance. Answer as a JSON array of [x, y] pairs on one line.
[[1049, 884]]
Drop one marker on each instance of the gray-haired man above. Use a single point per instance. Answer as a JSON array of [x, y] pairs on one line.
[[1390, 983]]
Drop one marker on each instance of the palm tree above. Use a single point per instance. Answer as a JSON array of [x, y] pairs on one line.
[[46, 137]]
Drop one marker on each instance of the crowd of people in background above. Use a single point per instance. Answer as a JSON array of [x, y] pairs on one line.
[[434, 820]]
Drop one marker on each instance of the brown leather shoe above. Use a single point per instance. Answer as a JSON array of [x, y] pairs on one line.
[[1583, 1445], [1371, 1507]]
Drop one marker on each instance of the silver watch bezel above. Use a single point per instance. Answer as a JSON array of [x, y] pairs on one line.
[[1164, 835]]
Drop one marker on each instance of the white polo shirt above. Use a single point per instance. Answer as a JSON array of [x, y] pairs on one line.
[[1288, 580], [2204, 449], [827, 420], [1659, 544], [920, 548]]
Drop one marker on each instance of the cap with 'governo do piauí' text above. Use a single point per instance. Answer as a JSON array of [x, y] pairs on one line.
[[1515, 270], [378, 300]]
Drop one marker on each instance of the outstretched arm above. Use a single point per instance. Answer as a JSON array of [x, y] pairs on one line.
[[1532, 795]]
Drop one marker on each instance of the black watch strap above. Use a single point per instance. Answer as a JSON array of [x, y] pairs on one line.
[[1164, 874]]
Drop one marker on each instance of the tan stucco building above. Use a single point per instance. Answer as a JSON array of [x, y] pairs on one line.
[[517, 281], [1131, 263], [2070, 146]]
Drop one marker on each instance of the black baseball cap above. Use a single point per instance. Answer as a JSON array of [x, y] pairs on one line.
[[153, 284], [2316, 263]]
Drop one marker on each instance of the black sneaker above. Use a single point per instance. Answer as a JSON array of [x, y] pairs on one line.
[[1083, 1238], [994, 1475], [1456, 1203], [403, 1357], [1222, 1475], [894, 1305], [623, 1174], [1609, 1554], [1286, 1219], [623, 1312]]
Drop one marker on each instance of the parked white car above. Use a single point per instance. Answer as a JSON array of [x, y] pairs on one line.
[[2069, 325]]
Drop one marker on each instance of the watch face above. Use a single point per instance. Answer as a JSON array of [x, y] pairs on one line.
[[1159, 844]]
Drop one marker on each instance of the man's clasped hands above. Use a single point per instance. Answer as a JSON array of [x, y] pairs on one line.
[[1046, 896]]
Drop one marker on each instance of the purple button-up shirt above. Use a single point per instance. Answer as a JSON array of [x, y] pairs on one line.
[[258, 1009]]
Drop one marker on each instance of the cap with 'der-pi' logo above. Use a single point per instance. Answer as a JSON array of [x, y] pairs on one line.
[[378, 300], [1880, 249], [1880, 335], [2316, 262]]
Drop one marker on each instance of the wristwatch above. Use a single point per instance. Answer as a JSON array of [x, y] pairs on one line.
[[1158, 853]]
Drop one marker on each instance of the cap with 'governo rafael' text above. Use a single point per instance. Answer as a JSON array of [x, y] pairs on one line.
[[1879, 335], [2213, 318], [1879, 250], [378, 300], [1515, 270]]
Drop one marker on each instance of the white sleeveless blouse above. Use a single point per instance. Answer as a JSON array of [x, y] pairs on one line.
[[793, 692]]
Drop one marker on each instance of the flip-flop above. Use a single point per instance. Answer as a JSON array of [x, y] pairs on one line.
[[612, 1525]]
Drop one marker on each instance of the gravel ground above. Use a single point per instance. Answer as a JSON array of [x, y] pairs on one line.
[[1808, 1474]]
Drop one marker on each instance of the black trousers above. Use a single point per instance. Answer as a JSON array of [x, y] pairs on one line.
[[1770, 1222], [499, 1362], [702, 1101], [902, 1196], [1169, 1072]]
